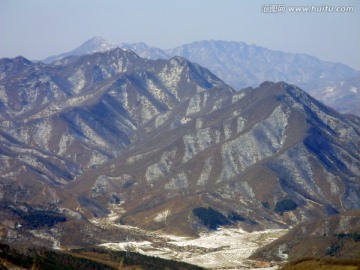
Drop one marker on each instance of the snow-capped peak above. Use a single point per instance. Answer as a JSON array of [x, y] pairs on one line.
[[93, 45], [96, 44]]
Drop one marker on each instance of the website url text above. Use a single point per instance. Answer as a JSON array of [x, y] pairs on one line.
[[280, 8]]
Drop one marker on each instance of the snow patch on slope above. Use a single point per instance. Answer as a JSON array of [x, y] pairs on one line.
[[264, 140], [160, 169]]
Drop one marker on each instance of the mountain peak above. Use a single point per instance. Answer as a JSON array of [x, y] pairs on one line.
[[97, 38], [93, 45]]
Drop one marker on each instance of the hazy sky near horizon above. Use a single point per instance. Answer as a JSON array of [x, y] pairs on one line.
[[37, 29]]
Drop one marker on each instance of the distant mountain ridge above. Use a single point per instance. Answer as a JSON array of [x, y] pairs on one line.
[[242, 65], [146, 51], [239, 64], [343, 95]]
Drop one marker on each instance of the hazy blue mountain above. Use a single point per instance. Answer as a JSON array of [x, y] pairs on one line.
[[95, 44], [242, 65], [145, 51], [237, 63], [343, 95]]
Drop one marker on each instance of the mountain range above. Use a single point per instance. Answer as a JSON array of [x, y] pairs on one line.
[[163, 145], [242, 65], [170, 128], [268, 157]]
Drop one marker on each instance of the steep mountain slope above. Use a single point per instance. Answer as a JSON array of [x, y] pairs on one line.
[[268, 157], [58, 121]]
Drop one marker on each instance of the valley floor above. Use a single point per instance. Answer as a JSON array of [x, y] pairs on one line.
[[226, 248]]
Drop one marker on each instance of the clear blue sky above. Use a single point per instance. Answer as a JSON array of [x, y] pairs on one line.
[[40, 28]]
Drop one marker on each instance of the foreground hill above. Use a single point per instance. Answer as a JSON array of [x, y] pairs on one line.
[[90, 258]]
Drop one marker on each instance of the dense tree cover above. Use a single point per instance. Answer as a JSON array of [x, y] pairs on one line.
[[133, 258], [320, 264], [342, 238], [37, 219], [210, 217], [352, 236], [285, 206], [89, 258], [31, 217], [236, 217], [47, 259]]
